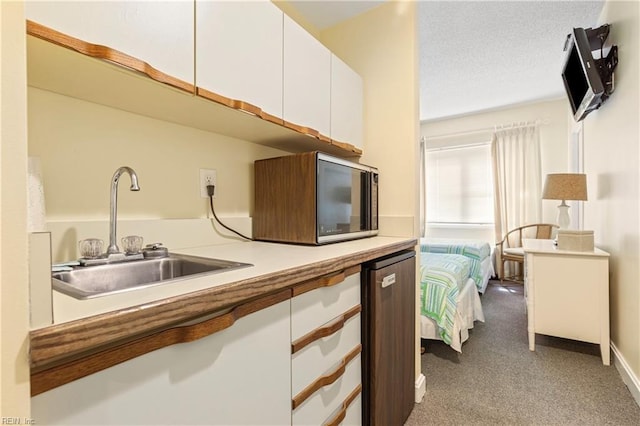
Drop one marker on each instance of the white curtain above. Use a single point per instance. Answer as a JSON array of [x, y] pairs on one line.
[[515, 154], [423, 186]]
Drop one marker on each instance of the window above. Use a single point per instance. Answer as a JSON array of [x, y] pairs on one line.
[[460, 185]]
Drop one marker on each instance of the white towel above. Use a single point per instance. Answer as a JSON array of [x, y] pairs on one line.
[[35, 197]]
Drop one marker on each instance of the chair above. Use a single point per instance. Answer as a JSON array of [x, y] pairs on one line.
[[510, 248]]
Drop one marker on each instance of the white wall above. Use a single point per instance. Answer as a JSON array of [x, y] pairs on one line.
[[612, 165], [381, 45], [554, 131], [81, 144], [14, 288]]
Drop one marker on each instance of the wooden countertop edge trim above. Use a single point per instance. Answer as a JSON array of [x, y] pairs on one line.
[[53, 344], [45, 380], [105, 53], [324, 331], [326, 379]]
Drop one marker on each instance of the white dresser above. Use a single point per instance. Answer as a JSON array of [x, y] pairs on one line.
[[567, 294]]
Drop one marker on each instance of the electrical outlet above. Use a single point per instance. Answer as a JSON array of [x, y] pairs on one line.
[[207, 177]]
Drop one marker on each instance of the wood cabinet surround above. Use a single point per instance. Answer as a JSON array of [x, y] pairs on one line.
[[48, 69], [297, 203]]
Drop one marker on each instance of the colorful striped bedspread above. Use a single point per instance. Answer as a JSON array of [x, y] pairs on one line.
[[442, 276], [475, 251]]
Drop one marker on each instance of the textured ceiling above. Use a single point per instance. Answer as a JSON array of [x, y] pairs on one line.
[[480, 55], [476, 56]]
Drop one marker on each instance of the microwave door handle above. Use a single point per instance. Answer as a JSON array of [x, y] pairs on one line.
[[366, 208]]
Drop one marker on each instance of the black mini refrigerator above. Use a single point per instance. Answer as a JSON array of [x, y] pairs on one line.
[[389, 338]]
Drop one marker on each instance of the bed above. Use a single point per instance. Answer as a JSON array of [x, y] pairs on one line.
[[478, 252], [449, 299]]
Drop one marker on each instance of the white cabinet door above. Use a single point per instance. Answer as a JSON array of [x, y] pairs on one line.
[[346, 103], [160, 33], [238, 376], [307, 79], [239, 51]]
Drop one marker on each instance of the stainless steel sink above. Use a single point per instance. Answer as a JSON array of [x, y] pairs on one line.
[[94, 281]]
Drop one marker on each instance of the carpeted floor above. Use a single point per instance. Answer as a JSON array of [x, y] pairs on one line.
[[497, 380]]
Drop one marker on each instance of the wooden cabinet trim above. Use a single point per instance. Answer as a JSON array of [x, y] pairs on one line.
[[324, 331], [42, 381], [326, 281], [106, 53], [325, 380], [339, 417]]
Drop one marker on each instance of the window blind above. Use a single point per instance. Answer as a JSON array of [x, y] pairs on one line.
[[459, 185]]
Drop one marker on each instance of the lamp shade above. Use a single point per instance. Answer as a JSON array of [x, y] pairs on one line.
[[565, 186]]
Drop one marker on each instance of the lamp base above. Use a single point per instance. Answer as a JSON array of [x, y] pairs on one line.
[[563, 215]]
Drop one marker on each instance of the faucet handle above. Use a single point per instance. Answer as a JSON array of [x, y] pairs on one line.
[[155, 251]]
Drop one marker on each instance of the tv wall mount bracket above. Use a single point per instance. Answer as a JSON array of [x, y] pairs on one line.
[[606, 65]]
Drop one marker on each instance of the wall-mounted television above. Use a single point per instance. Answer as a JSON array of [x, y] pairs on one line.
[[588, 80], [580, 75]]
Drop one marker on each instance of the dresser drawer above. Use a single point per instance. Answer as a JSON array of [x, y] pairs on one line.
[[317, 357], [311, 309], [324, 403]]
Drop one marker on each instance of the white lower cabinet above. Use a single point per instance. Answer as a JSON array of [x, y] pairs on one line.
[[326, 354], [297, 361], [237, 376]]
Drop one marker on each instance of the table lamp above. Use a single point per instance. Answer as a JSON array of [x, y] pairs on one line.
[[565, 186]]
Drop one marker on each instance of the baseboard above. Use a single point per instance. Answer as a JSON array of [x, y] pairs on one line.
[[628, 377], [421, 388]]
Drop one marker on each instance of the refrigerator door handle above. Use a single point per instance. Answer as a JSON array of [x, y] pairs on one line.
[[388, 280]]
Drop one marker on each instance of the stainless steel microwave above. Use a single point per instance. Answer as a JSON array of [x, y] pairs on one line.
[[314, 198]]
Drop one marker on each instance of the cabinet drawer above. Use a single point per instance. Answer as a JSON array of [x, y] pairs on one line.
[[324, 403], [313, 360], [314, 308], [350, 413]]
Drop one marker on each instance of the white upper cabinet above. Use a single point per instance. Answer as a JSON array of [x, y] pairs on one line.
[[346, 103], [307, 79], [159, 33], [239, 51]]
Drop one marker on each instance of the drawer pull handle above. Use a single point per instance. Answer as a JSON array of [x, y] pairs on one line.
[[326, 281], [326, 330], [106, 53], [325, 380], [335, 421]]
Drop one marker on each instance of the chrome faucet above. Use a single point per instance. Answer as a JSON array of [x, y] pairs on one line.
[[113, 247]]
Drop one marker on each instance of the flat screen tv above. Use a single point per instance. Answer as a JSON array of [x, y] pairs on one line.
[[580, 75]]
